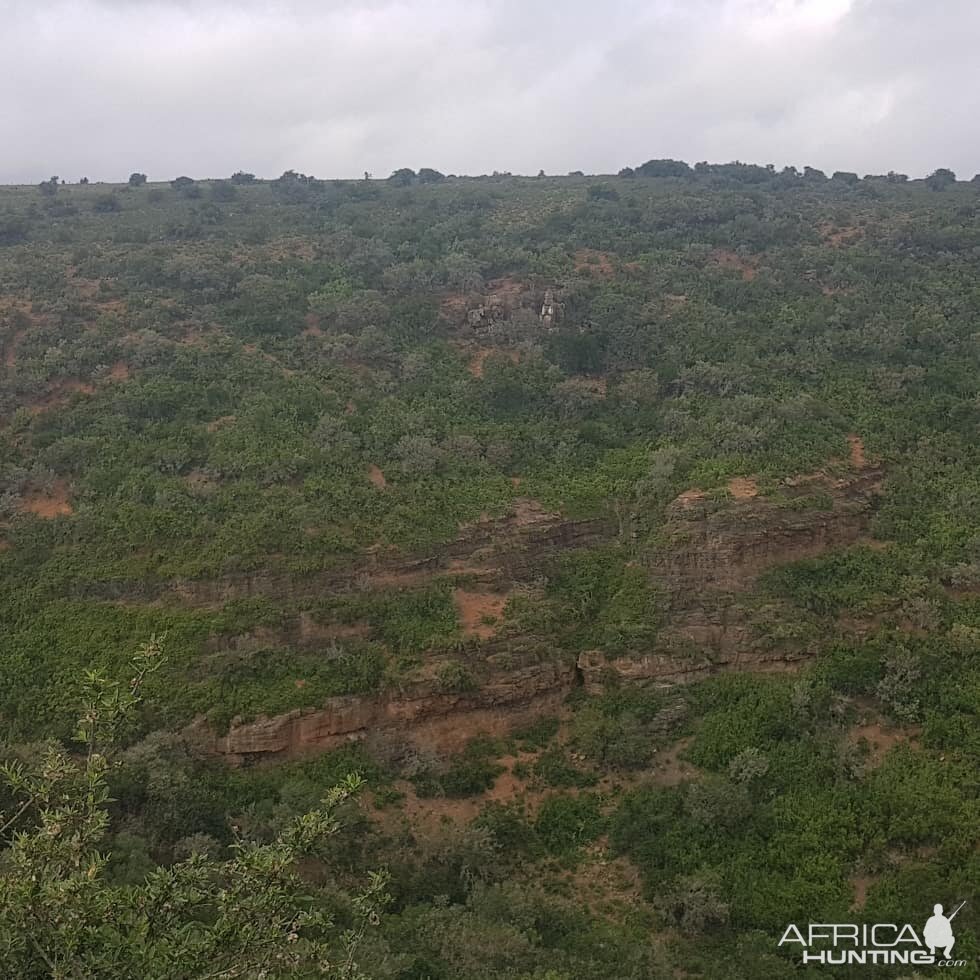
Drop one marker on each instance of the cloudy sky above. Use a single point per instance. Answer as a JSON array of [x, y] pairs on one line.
[[336, 87]]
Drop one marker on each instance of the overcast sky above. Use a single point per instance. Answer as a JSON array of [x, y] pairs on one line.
[[206, 87]]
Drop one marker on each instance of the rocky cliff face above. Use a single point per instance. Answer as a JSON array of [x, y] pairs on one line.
[[665, 670], [712, 550], [724, 544], [422, 714], [497, 548]]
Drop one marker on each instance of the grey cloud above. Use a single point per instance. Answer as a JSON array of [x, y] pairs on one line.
[[103, 87]]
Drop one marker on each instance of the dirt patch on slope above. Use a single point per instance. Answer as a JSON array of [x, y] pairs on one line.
[[455, 305], [474, 609], [312, 328], [528, 512], [856, 447], [50, 504], [377, 477], [59, 395], [838, 237], [727, 259], [427, 813], [861, 884], [506, 291], [689, 497], [881, 738], [596, 263], [10, 352], [475, 366], [595, 386], [743, 488], [119, 371]]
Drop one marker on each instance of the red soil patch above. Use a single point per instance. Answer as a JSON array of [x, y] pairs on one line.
[[858, 459], [350, 408], [428, 814], [5, 545], [516, 481], [743, 488], [10, 353], [474, 607], [861, 884], [73, 388], [505, 292], [455, 306], [377, 477], [597, 386], [59, 395], [881, 739], [312, 328], [689, 498], [475, 366], [119, 371], [596, 263], [838, 237], [48, 505], [528, 512], [728, 259]]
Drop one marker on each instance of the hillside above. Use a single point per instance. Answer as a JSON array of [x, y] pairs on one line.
[[623, 531]]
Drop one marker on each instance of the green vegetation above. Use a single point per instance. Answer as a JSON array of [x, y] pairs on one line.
[[61, 914], [411, 443]]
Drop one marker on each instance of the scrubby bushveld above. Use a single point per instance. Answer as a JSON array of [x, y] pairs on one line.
[[404, 448]]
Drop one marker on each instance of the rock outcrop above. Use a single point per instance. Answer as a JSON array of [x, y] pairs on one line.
[[713, 547], [712, 553], [666, 670], [499, 548], [724, 544], [422, 714]]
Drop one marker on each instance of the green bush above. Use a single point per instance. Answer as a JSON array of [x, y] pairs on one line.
[[566, 823]]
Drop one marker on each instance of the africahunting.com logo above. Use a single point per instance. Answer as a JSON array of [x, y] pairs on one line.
[[883, 944]]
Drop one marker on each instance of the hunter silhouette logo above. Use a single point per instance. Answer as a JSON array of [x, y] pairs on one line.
[[881, 943], [938, 933]]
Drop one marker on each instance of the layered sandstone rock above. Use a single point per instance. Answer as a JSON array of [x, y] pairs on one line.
[[493, 549], [713, 549], [421, 714]]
